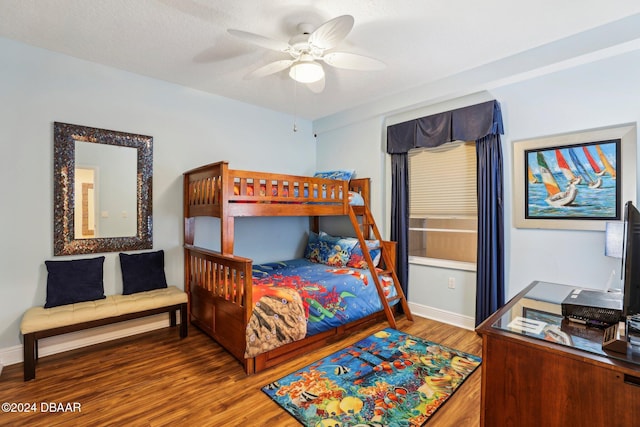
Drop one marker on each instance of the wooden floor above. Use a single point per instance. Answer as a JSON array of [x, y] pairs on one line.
[[156, 379]]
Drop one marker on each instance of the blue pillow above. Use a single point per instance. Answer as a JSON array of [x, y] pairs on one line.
[[357, 257], [355, 199], [344, 175], [142, 272], [312, 250], [329, 250], [78, 280]]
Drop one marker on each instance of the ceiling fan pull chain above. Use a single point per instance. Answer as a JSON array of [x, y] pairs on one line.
[[295, 105]]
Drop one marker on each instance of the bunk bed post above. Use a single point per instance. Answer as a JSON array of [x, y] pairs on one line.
[[227, 225], [189, 230], [226, 235], [315, 223], [189, 233], [189, 221]]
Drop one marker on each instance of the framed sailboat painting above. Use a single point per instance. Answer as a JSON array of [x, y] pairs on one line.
[[577, 180]]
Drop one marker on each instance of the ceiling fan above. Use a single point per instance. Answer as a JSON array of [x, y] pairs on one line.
[[308, 49]]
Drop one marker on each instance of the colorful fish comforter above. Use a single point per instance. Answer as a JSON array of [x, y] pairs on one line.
[[296, 298]]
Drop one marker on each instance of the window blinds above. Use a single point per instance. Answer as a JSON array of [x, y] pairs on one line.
[[442, 181]]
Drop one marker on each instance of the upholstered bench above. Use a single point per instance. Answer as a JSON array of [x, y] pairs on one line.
[[40, 322]]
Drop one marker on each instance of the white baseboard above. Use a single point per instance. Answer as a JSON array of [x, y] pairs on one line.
[[73, 340], [443, 316]]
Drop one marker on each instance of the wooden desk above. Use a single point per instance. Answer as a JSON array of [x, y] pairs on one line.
[[528, 381]]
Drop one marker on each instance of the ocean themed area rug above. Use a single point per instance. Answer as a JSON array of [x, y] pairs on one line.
[[388, 379]]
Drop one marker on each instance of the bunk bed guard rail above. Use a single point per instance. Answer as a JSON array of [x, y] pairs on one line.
[[215, 190]]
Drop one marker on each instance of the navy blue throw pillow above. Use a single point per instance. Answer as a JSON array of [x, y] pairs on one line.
[[142, 272], [73, 281]]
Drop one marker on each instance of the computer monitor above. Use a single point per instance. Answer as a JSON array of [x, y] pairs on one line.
[[631, 261]]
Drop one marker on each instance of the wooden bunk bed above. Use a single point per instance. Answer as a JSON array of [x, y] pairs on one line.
[[219, 284]]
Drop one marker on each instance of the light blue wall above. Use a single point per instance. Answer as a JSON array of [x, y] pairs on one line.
[[355, 147], [601, 93], [190, 128]]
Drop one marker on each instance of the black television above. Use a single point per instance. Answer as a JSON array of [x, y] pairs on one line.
[[631, 261]]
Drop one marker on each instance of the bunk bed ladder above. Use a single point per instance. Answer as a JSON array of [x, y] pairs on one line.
[[363, 229]]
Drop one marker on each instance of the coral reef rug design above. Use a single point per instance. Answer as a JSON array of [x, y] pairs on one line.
[[389, 379]]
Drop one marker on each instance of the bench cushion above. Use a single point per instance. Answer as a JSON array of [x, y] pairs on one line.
[[40, 318]]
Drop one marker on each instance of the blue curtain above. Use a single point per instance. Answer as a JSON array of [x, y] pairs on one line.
[[400, 216], [481, 123], [490, 266]]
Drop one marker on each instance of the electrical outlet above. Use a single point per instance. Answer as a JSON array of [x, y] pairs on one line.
[[452, 283]]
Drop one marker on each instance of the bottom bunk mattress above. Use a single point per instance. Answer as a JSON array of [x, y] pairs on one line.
[[296, 298]]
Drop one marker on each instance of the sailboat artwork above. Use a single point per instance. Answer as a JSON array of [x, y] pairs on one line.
[[607, 166], [556, 197], [574, 181], [584, 173], [594, 165], [532, 178], [566, 170]]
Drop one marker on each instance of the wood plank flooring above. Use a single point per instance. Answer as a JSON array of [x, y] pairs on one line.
[[156, 379]]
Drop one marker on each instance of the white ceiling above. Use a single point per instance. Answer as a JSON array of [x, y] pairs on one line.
[[185, 41]]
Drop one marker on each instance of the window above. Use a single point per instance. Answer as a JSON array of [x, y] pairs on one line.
[[443, 222]]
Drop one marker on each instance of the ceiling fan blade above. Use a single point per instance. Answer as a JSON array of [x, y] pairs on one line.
[[316, 87], [352, 61], [270, 68], [261, 41], [332, 32]]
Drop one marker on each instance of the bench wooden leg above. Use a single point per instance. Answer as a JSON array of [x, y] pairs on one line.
[[30, 355], [184, 322], [172, 318]]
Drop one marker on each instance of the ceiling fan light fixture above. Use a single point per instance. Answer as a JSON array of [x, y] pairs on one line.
[[308, 51], [306, 72]]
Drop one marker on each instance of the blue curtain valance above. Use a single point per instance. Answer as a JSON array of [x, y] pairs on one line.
[[464, 124]]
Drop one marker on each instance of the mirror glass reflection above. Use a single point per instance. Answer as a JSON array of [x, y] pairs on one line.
[[105, 191]]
